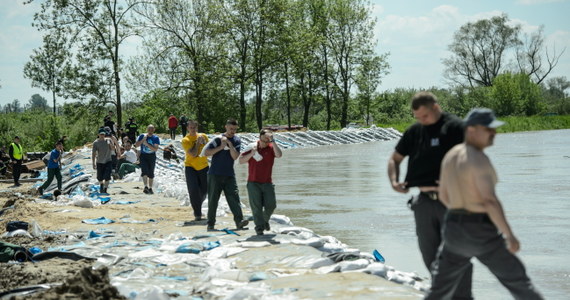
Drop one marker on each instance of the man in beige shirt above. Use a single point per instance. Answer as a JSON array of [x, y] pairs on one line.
[[475, 224]]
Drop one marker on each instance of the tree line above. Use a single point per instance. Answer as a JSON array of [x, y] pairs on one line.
[[313, 63]]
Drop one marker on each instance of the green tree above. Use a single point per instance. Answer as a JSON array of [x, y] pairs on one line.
[[97, 29], [38, 103], [515, 94], [48, 65], [368, 77]]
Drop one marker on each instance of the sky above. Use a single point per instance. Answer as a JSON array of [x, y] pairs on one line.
[[415, 33]]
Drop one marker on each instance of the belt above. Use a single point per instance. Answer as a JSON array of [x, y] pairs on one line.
[[432, 195], [461, 215]]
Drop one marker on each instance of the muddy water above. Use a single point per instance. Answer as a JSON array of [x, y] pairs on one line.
[[343, 191]]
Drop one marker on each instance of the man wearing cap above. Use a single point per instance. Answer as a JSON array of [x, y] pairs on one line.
[[101, 159], [149, 144], [425, 143], [17, 156], [132, 129], [475, 224]]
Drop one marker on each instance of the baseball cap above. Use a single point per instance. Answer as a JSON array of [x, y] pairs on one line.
[[102, 131], [482, 116]]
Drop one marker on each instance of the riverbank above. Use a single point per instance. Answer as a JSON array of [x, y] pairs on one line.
[[513, 124], [153, 249]]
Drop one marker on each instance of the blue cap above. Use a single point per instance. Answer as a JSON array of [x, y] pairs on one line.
[[482, 116]]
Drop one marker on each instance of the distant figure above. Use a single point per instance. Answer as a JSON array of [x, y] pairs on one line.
[[221, 175], [128, 161], [170, 153], [101, 158], [62, 140], [149, 144], [195, 167], [425, 143], [17, 156], [260, 187], [4, 161], [475, 224], [172, 125], [132, 129], [107, 122], [53, 168], [183, 124]]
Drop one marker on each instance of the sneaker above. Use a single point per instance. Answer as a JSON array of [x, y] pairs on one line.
[[145, 190], [40, 191], [241, 224], [259, 232], [150, 191], [267, 227], [210, 227]]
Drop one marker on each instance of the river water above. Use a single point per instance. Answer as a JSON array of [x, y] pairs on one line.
[[343, 191]]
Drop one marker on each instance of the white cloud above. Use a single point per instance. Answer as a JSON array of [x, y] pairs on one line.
[[536, 2]]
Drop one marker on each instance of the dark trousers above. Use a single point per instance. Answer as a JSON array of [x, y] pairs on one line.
[[262, 202], [51, 173], [147, 162], [197, 184], [429, 215], [17, 171], [474, 235], [184, 130], [227, 184], [172, 133]]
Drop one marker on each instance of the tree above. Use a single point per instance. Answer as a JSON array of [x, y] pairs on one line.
[[369, 73], [48, 66], [98, 28], [349, 36], [530, 57], [480, 51], [515, 94], [38, 103]]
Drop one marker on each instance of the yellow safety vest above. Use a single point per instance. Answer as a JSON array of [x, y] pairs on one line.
[[17, 151]]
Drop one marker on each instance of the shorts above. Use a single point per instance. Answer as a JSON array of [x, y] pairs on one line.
[[147, 164], [104, 171]]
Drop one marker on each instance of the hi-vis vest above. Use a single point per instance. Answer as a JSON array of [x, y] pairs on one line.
[[17, 151]]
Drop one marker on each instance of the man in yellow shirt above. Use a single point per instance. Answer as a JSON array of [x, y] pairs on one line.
[[195, 167], [17, 156]]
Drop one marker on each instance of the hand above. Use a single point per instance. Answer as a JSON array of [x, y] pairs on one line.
[[400, 187], [225, 141], [513, 244], [95, 166], [200, 140], [269, 135]]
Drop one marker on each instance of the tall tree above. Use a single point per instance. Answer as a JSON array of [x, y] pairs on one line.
[[98, 28], [38, 103], [48, 65], [349, 36], [369, 74], [534, 59]]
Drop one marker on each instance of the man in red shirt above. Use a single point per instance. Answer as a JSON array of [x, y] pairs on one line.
[[260, 187], [172, 125]]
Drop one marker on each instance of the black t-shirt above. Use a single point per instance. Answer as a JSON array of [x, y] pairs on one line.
[[426, 146], [111, 125]]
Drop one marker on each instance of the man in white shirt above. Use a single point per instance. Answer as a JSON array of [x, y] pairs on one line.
[[128, 161]]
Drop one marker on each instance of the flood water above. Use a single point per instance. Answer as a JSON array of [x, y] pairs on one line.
[[343, 191]]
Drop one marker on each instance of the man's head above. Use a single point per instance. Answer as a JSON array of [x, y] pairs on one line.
[[150, 129], [425, 108], [59, 146], [480, 127], [17, 139], [192, 127], [265, 136], [131, 119], [128, 145], [231, 127], [102, 132]]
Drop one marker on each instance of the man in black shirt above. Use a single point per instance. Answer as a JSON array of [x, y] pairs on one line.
[[132, 130], [426, 143]]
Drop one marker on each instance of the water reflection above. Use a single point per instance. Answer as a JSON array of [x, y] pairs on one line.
[[343, 191]]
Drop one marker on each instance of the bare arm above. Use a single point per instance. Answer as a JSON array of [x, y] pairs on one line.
[[139, 143], [246, 156], [276, 149], [233, 151], [486, 186], [152, 147], [193, 151], [394, 173], [212, 151], [443, 194]]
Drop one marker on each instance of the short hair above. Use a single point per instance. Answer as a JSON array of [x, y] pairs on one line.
[[58, 143], [193, 122], [264, 131], [426, 99], [232, 121]]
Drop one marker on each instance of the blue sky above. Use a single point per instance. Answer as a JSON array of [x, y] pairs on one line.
[[416, 33]]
